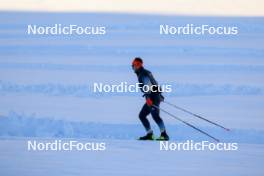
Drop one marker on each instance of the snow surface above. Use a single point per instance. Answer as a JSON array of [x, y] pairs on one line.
[[129, 157], [45, 93], [15, 125]]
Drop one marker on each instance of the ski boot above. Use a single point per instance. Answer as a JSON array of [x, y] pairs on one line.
[[163, 137], [148, 136]]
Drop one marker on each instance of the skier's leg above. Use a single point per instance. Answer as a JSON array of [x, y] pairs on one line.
[[155, 112], [143, 117], [156, 117]]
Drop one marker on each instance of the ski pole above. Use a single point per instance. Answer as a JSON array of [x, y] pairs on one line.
[[198, 116], [190, 125]]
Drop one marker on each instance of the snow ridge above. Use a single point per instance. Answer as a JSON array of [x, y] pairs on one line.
[[19, 125]]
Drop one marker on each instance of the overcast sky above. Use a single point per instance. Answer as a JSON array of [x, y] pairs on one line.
[[180, 7]]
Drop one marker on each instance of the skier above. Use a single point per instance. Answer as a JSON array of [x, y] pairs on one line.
[[153, 97]]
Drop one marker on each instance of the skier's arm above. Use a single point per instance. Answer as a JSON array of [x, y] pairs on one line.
[[147, 82]]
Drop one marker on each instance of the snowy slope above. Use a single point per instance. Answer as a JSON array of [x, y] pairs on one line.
[[126, 157], [207, 70], [46, 83], [16, 125]]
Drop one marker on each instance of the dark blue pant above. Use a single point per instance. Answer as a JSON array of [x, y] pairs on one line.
[[145, 111]]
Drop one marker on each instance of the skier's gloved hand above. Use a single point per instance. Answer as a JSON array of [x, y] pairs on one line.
[[149, 102]]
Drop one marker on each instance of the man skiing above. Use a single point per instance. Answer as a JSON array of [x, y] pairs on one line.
[[153, 97]]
